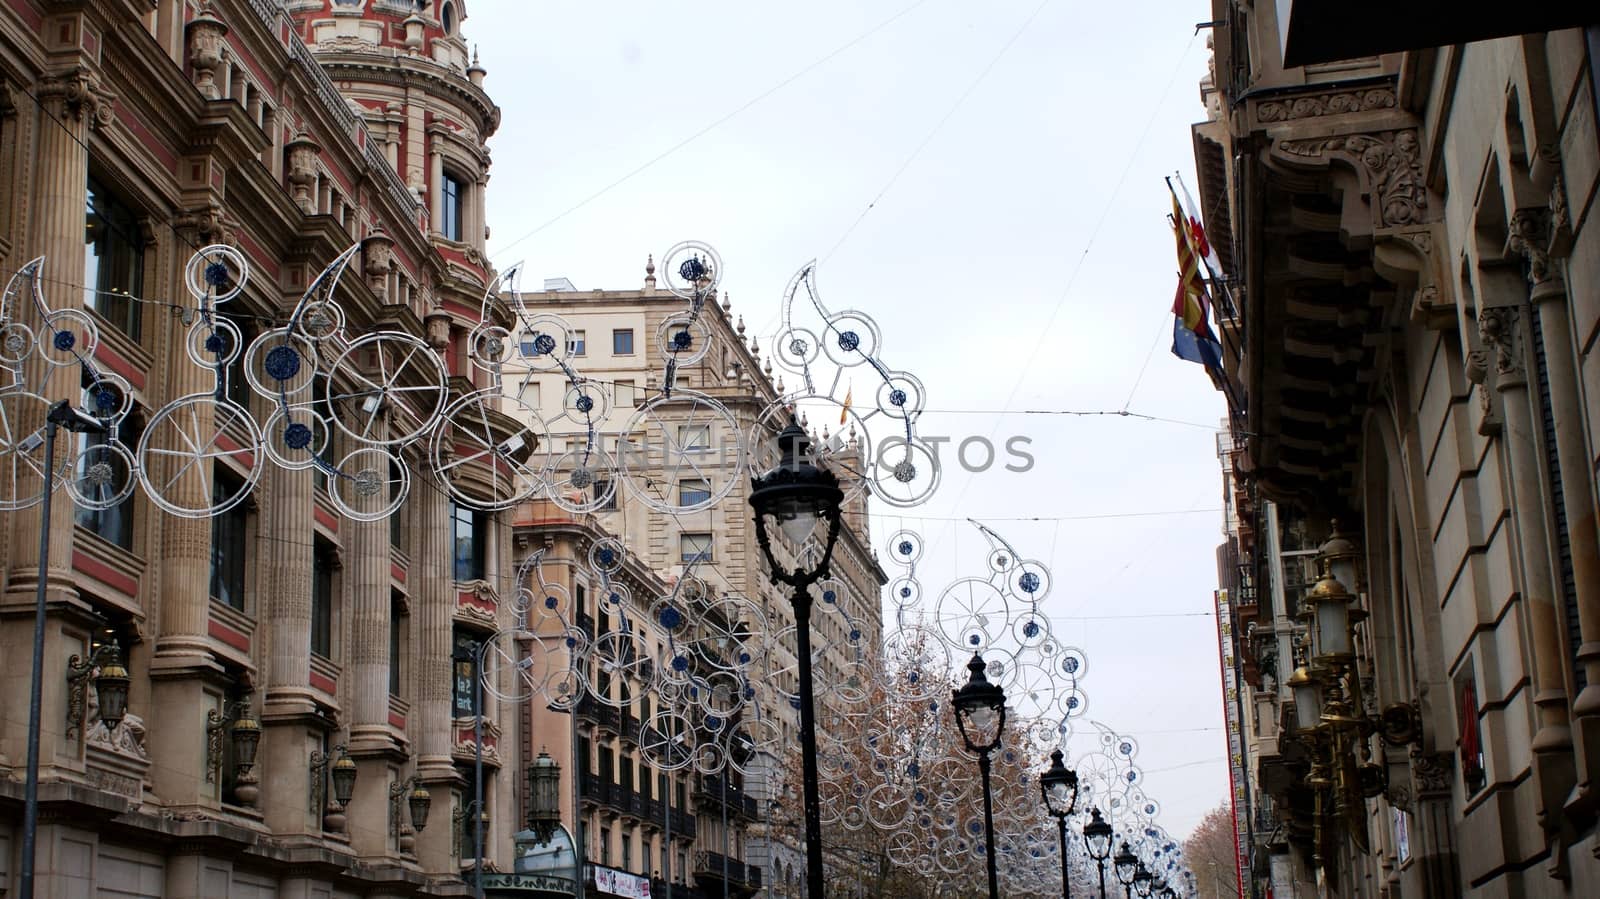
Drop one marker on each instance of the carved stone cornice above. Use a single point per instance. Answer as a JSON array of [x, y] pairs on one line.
[[1334, 103], [1389, 164]]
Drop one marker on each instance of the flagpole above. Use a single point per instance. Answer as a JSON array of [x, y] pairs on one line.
[[1234, 403]]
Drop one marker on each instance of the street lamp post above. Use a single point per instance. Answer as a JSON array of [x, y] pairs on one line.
[[1059, 786], [1127, 866], [60, 414], [796, 495], [980, 708], [1097, 839], [1142, 882]]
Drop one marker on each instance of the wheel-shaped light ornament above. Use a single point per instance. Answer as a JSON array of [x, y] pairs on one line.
[[185, 443], [383, 371], [683, 338], [490, 450], [295, 437], [22, 462], [906, 472], [515, 665], [688, 442], [70, 337], [280, 364], [217, 273], [369, 484], [583, 480], [691, 269], [102, 476], [667, 740], [972, 614]]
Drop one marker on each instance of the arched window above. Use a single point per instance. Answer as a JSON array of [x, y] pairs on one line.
[[447, 18]]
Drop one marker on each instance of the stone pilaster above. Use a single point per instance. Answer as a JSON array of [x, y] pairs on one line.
[[1503, 330], [367, 610], [431, 639], [290, 705], [1531, 236], [72, 103]]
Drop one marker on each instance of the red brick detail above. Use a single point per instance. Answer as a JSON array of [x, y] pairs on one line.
[[324, 683], [397, 721], [114, 361], [228, 635], [227, 445], [104, 573], [327, 519]]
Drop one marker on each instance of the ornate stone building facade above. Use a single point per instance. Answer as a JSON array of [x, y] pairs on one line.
[[616, 335], [1410, 329], [176, 124]]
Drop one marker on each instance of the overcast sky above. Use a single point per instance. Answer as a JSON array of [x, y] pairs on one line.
[[1020, 261]]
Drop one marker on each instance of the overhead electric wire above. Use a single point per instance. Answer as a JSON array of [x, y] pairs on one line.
[[939, 126], [714, 124]]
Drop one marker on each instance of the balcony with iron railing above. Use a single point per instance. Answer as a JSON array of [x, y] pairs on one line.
[[713, 869]]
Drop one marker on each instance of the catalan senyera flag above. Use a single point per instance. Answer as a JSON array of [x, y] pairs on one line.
[[1192, 338], [844, 411]]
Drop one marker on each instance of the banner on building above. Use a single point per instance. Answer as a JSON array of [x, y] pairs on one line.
[[619, 883], [1230, 711]]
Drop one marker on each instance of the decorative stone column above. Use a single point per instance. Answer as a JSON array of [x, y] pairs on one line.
[[72, 103], [431, 642], [1501, 329], [1531, 236], [367, 609], [1433, 840], [435, 184]]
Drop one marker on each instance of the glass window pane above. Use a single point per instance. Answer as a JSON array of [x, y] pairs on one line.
[[692, 491], [622, 341]]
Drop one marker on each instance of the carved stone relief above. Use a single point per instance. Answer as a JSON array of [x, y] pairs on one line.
[[1336, 103], [1391, 162]]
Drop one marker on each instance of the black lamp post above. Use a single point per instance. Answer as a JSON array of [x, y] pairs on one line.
[[1142, 882], [1127, 865], [796, 495], [1059, 786], [60, 415], [1097, 839], [981, 716]]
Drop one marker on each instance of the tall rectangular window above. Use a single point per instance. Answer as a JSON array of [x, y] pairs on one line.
[[465, 657], [578, 340], [622, 342], [113, 259], [695, 546], [608, 772], [228, 541], [451, 193], [322, 568], [605, 846], [625, 393], [693, 491], [694, 437], [627, 852], [467, 535], [396, 616], [114, 524], [397, 521]]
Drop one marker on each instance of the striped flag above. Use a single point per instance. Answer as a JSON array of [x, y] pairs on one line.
[[1192, 338]]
